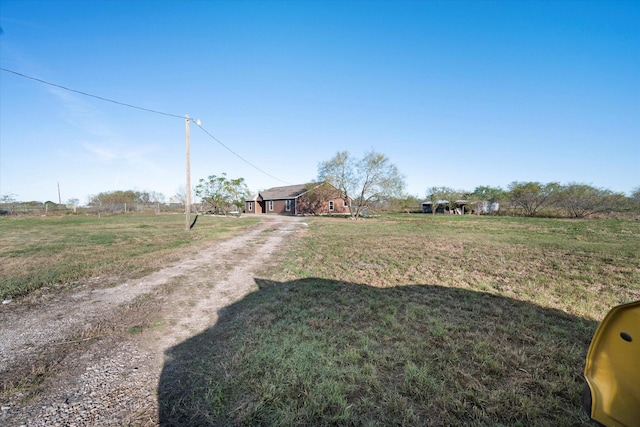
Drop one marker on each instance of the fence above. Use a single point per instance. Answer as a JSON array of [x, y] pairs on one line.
[[39, 209]]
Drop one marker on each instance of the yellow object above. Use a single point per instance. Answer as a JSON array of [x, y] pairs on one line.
[[612, 368]]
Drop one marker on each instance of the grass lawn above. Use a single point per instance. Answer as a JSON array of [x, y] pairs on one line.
[[411, 320], [54, 251]]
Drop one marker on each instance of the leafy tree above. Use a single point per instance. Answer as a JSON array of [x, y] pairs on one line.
[[8, 198], [407, 203], [366, 181], [434, 196], [221, 193], [633, 201], [582, 200], [212, 191], [635, 194], [532, 196], [111, 198], [115, 200], [486, 194], [490, 194], [238, 192], [445, 196]]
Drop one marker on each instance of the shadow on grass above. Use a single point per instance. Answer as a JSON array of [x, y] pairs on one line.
[[321, 352]]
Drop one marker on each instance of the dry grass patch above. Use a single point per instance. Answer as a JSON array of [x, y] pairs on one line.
[[411, 320], [62, 250], [554, 263]]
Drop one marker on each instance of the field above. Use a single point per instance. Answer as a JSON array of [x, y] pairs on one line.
[[412, 320], [58, 251], [397, 320]]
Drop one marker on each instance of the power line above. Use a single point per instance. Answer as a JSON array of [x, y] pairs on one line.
[[147, 110], [239, 156], [88, 94]]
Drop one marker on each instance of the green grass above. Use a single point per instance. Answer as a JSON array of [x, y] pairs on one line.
[[38, 252], [411, 320], [554, 263], [397, 320]]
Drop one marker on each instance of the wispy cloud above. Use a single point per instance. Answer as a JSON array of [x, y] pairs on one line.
[[101, 153], [113, 152], [81, 114], [110, 166]]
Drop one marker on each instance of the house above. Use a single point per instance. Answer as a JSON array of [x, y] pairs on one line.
[[316, 198]]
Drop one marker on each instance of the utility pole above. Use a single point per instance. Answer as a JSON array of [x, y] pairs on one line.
[[188, 187], [59, 198]]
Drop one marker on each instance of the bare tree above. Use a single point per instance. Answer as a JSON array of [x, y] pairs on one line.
[[340, 172], [370, 179], [315, 199], [582, 200], [156, 197], [8, 200], [181, 195], [532, 196]]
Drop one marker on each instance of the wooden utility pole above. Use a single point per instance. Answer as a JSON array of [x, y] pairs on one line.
[[188, 187]]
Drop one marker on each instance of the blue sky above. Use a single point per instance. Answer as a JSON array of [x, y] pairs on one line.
[[455, 93]]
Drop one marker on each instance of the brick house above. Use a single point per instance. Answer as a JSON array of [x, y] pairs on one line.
[[316, 198]]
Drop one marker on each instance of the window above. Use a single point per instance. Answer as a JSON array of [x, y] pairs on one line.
[[287, 205], [270, 205], [250, 207], [345, 203], [330, 205]]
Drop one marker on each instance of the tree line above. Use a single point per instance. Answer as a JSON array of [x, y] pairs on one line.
[[575, 200], [119, 197], [374, 183]]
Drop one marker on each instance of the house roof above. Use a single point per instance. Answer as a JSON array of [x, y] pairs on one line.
[[288, 192]]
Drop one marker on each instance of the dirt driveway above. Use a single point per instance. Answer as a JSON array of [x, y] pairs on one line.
[[97, 353]]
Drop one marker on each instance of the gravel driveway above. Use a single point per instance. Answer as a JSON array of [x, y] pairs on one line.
[[111, 377]]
